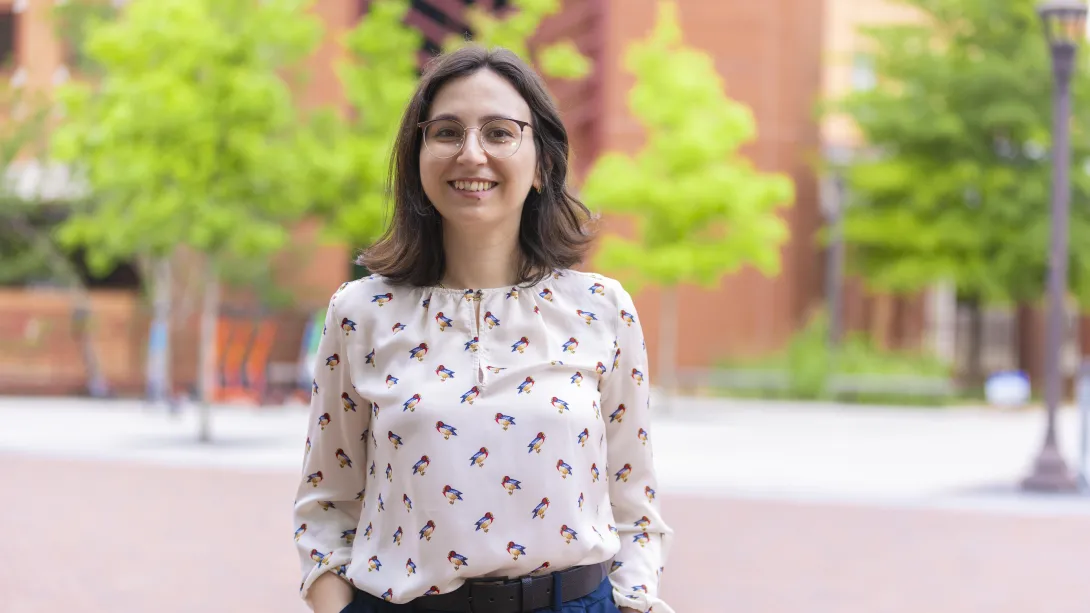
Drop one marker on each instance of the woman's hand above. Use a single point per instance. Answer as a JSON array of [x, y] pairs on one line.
[[330, 594], [628, 610]]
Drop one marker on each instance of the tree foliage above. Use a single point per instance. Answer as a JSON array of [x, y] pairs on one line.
[[513, 31], [957, 184], [26, 248], [191, 136], [351, 151], [72, 21], [701, 209]]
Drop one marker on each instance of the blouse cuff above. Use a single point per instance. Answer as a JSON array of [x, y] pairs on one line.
[[639, 601], [337, 562]]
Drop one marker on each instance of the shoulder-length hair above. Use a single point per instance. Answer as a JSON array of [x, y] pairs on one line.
[[554, 232]]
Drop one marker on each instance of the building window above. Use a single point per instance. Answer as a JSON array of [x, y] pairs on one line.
[[7, 38], [863, 72]]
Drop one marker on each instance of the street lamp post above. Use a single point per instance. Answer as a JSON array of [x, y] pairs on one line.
[[832, 202], [834, 283], [1065, 27]]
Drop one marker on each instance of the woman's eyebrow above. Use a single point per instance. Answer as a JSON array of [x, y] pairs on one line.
[[483, 118]]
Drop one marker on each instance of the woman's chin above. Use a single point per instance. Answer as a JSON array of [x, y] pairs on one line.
[[478, 213]]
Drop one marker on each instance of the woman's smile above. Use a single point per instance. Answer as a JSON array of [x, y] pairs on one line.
[[472, 188]]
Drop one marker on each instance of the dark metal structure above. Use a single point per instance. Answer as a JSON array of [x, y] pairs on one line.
[[1065, 27]]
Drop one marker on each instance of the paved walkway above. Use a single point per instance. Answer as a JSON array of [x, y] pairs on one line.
[[706, 447], [778, 509]]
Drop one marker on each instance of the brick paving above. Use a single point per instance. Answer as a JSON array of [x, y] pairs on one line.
[[120, 537]]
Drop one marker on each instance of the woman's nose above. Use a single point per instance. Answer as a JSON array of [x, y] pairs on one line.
[[472, 152]]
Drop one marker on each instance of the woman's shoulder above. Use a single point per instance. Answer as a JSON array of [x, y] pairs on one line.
[[585, 283], [372, 289]]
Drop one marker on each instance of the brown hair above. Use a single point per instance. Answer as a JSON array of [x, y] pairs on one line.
[[554, 232]]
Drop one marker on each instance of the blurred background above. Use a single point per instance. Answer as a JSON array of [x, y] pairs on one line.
[[837, 218]]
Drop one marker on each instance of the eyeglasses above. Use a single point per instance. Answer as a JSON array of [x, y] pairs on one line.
[[500, 138]]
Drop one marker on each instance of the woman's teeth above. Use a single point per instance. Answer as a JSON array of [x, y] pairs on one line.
[[473, 186]]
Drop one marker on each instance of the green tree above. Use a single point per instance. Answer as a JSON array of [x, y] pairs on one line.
[[24, 245], [513, 31], [352, 150], [955, 184], [29, 253], [190, 139], [702, 211]]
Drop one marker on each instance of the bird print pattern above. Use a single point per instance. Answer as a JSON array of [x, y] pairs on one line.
[[518, 438]]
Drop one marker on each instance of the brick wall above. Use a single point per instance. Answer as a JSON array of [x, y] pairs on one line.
[[39, 352]]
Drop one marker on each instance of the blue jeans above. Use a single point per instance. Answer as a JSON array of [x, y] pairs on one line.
[[598, 601]]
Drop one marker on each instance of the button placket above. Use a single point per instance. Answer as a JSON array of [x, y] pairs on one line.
[[479, 360]]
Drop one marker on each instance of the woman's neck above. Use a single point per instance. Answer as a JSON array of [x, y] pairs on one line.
[[480, 262]]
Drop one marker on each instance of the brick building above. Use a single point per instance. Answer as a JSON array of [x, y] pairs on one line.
[[773, 56]]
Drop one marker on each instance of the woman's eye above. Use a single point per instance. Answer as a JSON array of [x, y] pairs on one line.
[[500, 134]]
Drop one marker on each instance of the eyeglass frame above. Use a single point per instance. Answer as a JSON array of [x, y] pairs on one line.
[[423, 125]]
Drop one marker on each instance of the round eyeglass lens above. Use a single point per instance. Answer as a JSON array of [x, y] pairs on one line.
[[444, 138], [501, 137]]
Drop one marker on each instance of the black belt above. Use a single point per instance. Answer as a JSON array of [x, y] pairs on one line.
[[516, 595]]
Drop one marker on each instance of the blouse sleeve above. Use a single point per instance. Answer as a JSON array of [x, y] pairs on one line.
[[645, 537], [329, 498]]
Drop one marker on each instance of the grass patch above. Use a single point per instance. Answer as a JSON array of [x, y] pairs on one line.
[[857, 372]]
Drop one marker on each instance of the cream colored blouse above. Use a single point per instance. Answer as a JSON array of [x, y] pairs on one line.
[[448, 442]]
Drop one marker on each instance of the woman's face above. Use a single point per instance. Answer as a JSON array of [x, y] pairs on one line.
[[473, 189]]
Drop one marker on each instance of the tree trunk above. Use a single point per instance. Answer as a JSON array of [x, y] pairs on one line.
[[207, 360], [834, 270], [975, 366], [942, 311], [882, 320], [159, 384], [97, 386], [668, 331], [1084, 337], [82, 316]]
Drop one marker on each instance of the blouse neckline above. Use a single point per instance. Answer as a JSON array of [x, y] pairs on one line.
[[486, 291]]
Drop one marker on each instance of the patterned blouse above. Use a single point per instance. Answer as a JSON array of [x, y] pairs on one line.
[[444, 447]]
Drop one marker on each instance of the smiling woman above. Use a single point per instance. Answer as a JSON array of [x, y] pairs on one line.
[[480, 412], [481, 158]]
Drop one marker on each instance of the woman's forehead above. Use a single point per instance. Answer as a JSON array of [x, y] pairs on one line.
[[478, 97]]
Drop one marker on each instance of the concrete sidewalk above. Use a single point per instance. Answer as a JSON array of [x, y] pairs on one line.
[[135, 537], [776, 508], [945, 458]]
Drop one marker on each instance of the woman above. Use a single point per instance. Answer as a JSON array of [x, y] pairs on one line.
[[479, 429]]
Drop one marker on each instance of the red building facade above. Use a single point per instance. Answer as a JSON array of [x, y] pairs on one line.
[[769, 54], [770, 60]]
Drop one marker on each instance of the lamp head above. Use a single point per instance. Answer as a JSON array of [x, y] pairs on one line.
[[1064, 22]]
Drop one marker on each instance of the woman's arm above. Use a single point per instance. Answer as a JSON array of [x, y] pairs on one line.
[[329, 594], [645, 537], [330, 496]]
